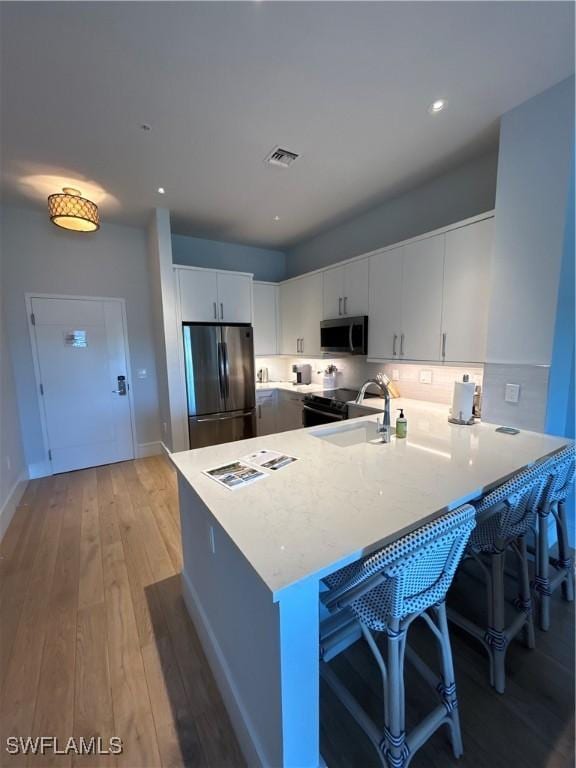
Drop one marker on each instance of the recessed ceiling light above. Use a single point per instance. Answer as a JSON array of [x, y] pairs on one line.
[[276, 218], [161, 190], [437, 106]]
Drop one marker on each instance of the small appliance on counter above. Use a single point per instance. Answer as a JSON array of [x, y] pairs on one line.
[[462, 411], [262, 375], [303, 373]]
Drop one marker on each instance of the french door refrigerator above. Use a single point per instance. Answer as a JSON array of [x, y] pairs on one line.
[[220, 384]]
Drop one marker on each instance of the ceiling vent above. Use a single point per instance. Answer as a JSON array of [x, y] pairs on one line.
[[282, 157]]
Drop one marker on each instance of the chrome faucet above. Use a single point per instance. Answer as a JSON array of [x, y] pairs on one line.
[[381, 381]]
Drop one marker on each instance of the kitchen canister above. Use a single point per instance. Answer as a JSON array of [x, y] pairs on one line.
[[462, 402]]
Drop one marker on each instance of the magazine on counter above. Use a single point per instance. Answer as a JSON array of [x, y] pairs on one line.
[[271, 460], [235, 475]]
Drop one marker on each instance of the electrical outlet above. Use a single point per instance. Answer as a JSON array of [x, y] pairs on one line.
[[8, 463], [512, 393], [395, 374], [164, 428], [425, 377]]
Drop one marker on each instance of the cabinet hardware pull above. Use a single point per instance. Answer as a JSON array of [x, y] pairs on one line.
[[401, 344], [301, 345], [394, 345], [215, 311], [345, 302], [221, 311], [259, 411], [340, 305], [444, 345]]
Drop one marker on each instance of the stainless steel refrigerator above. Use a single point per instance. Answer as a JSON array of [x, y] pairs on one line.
[[220, 384]]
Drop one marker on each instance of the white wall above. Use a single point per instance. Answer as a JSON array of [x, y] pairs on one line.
[[532, 213], [12, 465], [463, 192], [112, 262]]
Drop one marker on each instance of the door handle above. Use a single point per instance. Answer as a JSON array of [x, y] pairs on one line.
[[122, 386], [394, 345], [345, 302], [221, 373], [221, 311], [444, 345], [226, 370], [401, 344], [215, 311], [340, 305]]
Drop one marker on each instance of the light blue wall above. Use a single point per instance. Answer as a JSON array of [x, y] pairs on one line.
[[466, 191], [214, 254]]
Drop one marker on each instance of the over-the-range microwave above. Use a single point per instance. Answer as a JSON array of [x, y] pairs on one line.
[[345, 335]]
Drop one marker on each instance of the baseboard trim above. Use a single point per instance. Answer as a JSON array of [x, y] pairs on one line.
[[165, 448], [11, 504], [249, 744], [39, 469], [148, 449]]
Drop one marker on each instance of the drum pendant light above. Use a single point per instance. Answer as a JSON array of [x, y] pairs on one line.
[[69, 210]]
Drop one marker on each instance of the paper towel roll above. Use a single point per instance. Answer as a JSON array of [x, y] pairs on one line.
[[463, 400]]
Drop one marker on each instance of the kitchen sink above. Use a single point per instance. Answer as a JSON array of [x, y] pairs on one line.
[[346, 435]]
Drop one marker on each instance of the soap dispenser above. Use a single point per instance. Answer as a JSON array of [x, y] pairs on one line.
[[401, 425]]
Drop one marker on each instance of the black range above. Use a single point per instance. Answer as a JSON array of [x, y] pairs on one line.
[[328, 406]]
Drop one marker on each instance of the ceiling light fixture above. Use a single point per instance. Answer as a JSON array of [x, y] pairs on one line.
[[161, 190], [69, 210], [276, 218], [437, 106]]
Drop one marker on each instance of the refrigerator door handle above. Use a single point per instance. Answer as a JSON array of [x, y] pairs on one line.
[[226, 370], [221, 372], [225, 417]]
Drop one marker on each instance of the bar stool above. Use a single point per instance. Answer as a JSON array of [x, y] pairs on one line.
[[505, 516], [561, 469], [385, 593]]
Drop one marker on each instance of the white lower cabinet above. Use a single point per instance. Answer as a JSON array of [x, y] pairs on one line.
[[266, 412], [289, 412], [300, 315]]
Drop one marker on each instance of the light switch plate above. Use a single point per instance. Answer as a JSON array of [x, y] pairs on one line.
[[512, 393], [425, 377], [395, 374]]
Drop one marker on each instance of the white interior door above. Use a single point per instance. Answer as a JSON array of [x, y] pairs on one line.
[[82, 357]]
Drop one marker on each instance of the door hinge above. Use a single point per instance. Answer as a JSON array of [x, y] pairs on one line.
[[49, 454], [41, 389], [33, 318]]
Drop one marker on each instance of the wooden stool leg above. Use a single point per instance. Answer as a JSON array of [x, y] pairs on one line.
[[542, 580], [565, 560]]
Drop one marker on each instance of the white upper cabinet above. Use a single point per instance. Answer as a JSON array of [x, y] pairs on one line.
[[265, 318], [198, 295], [300, 315], [345, 290], [422, 282], [211, 296], [467, 264], [234, 298], [385, 309]]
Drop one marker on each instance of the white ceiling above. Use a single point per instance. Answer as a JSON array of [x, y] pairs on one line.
[[345, 84]]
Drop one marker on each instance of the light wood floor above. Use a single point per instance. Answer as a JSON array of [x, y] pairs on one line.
[[95, 641]]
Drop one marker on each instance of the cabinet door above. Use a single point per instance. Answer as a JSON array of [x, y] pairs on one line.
[[289, 412], [422, 283], [356, 291], [310, 313], [289, 301], [198, 296], [467, 265], [265, 319], [333, 292], [234, 298], [266, 408], [385, 304]]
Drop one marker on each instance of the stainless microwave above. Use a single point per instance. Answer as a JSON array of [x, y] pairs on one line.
[[345, 335]]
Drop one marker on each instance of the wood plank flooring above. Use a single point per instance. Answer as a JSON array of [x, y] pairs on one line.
[[95, 641]]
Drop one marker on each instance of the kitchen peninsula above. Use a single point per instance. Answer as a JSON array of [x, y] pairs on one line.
[[253, 558]]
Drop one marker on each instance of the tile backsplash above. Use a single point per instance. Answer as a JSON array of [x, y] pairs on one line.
[[353, 371]]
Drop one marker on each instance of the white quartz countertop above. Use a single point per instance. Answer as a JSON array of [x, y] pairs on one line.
[[288, 387], [337, 503]]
